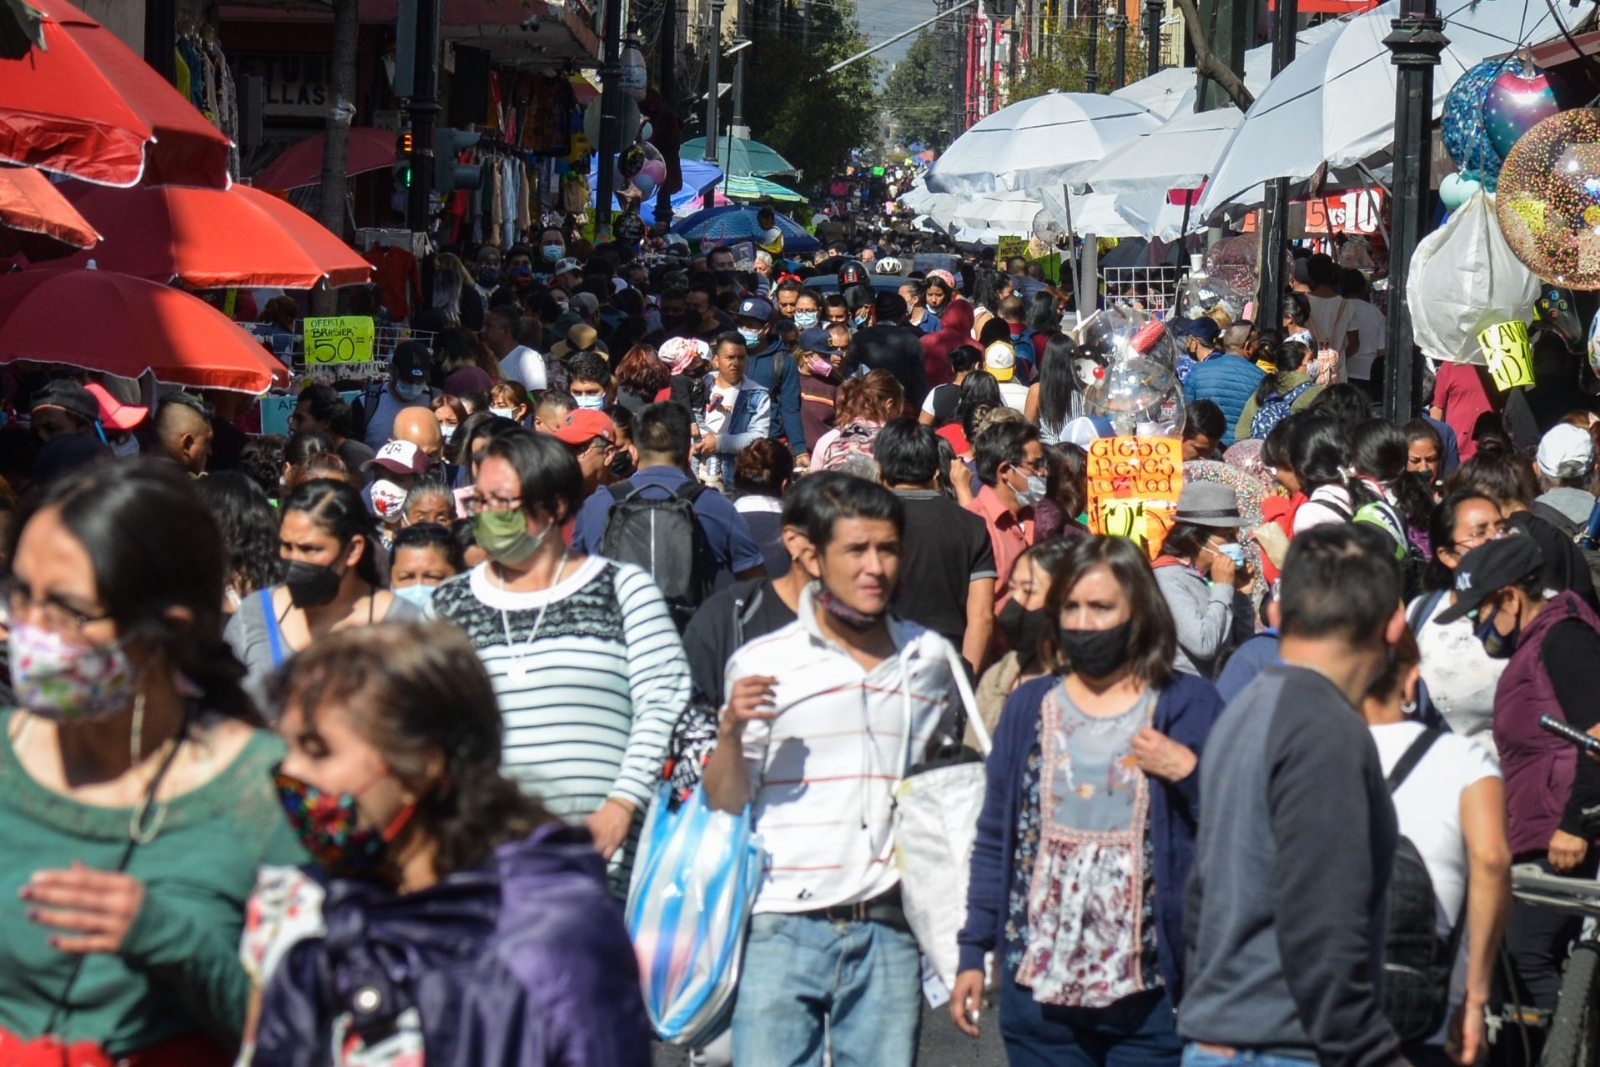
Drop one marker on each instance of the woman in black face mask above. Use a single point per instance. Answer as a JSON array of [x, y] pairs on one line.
[[1088, 824], [331, 581], [1022, 622]]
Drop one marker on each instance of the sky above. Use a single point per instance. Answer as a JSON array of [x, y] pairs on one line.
[[881, 19]]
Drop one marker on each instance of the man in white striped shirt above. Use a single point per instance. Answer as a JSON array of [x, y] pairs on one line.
[[824, 719]]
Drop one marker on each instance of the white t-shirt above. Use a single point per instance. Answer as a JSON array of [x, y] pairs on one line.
[[1014, 395], [1461, 677], [1328, 503], [523, 364], [1332, 318], [1370, 323], [1428, 808]]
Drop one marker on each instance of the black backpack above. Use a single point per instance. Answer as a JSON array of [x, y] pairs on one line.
[[665, 538], [1416, 962]]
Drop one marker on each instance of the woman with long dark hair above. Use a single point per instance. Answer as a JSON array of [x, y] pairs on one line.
[[249, 526], [1319, 456], [485, 934], [988, 289], [1285, 389], [138, 801], [1049, 404], [1094, 767], [980, 394]]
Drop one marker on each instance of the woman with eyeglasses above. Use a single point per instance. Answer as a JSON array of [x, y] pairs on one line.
[[1459, 676], [330, 547], [138, 798]]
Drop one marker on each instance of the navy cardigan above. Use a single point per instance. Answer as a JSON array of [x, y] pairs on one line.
[[1186, 709]]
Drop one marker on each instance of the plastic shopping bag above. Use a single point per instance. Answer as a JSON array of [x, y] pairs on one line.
[[694, 883]]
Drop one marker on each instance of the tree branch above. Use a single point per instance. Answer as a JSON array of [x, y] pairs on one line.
[[1206, 62]]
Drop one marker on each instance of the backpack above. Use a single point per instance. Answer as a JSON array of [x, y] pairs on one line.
[[1579, 534], [1416, 961], [1275, 410], [853, 445], [1382, 515], [659, 536]]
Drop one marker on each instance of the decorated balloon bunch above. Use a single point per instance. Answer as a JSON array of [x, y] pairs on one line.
[[1125, 368], [640, 167], [1485, 114]]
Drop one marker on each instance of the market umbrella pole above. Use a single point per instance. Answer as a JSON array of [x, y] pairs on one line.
[[1275, 212], [1417, 42]]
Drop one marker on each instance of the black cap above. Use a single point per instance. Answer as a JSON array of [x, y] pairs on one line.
[[68, 396], [410, 362], [1488, 569]]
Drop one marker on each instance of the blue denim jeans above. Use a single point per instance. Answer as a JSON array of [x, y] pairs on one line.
[[1137, 1031], [1195, 1056], [853, 985]]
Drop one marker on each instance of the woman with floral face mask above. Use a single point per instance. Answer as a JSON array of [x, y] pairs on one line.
[[138, 799], [330, 548], [469, 898]]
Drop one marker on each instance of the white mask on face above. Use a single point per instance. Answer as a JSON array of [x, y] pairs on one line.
[[447, 431], [387, 499], [504, 413]]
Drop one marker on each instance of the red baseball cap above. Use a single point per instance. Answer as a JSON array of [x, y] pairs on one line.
[[583, 426], [114, 414]]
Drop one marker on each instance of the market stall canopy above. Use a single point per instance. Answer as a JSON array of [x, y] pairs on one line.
[[759, 189], [1332, 109], [697, 178], [87, 106], [740, 157], [729, 224], [101, 321], [212, 238], [36, 220], [1040, 142], [301, 163], [1175, 155]]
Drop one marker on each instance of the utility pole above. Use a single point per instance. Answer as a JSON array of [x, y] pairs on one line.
[[1153, 12], [741, 25], [991, 72], [1091, 77], [610, 115], [424, 113], [1416, 42], [714, 95], [1011, 61], [1227, 24], [667, 60], [1120, 77], [1275, 210]]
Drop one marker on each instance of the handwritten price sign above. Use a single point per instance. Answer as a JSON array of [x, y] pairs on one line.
[[1133, 487], [341, 339], [1510, 357]]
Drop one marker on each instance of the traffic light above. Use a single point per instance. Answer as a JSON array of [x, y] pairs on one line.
[[402, 160], [448, 174]]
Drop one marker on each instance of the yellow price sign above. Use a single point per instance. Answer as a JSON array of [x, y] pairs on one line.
[[1010, 246], [1509, 355], [339, 339], [1133, 485]]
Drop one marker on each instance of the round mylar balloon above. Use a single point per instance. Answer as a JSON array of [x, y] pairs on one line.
[[1518, 99], [1549, 199], [1465, 137], [1455, 190], [1139, 396]]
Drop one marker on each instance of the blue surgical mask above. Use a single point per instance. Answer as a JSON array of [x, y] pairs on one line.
[[806, 320], [551, 253], [751, 337], [591, 403], [420, 596], [1497, 645], [862, 319], [408, 390]]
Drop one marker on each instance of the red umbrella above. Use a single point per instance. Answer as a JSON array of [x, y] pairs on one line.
[[36, 219], [301, 163], [211, 238], [101, 321], [89, 107]]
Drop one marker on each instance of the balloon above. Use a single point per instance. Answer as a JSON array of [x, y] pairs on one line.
[[1594, 345], [645, 184], [1516, 101], [1116, 333], [656, 169], [646, 130], [1138, 396], [1465, 137], [631, 161], [1202, 294], [1455, 190], [1548, 204]]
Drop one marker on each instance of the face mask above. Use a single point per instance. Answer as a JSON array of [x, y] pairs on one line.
[[564, 306], [1096, 653], [806, 320], [752, 338], [591, 403], [622, 467], [489, 277], [551, 253], [126, 448], [68, 683], [521, 273], [408, 390], [861, 320], [328, 826], [821, 368], [447, 431], [1022, 629], [843, 613], [387, 499], [504, 413], [419, 596], [1497, 645], [1034, 493], [311, 585], [504, 536]]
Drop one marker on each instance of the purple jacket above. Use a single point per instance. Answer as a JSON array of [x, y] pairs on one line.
[[1539, 768], [522, 962]]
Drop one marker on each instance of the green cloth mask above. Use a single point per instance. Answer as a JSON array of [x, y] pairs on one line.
[[504, 536]]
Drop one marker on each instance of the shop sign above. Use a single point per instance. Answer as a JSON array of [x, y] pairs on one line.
[[291, 84]]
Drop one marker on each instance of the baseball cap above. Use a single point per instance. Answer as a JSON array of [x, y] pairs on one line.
[[585, 303], [401, 457], [583, 426], [70, 397], [566, 265], [410, 362], [754, 307], [816, 339], [114, 414], [770, 241], [1565, 451], [1204, 329], [1000, 360], [580, 338], [1489, 568]]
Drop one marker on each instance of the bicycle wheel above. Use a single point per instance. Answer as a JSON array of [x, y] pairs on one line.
[[1574, 1039]]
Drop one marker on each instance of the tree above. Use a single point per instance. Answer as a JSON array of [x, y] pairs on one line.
[[1063, 65], [917, 92]]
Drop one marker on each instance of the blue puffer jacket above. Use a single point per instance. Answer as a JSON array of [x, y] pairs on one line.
[[1226, 380]]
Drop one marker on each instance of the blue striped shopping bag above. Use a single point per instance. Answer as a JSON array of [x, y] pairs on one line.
[[694, 882]]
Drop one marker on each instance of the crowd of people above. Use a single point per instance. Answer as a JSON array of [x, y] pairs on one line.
[[335, 747]]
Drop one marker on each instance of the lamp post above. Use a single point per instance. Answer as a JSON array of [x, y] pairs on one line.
[[610, 115], [1119, 22], [1275, 211], [1153, 12], [1091, 77], [1416, 41]]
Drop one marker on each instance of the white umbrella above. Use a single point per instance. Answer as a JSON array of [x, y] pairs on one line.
[[1334, 104], [1040, 142], [1179, 154]]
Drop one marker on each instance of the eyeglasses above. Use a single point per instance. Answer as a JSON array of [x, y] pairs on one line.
[[475, 504], [59, 616], [1038, 466]]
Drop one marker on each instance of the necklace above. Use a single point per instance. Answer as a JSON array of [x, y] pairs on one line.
[[518, 669]]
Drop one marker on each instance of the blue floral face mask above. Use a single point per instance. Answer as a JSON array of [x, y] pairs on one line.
[[1497, 645]]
